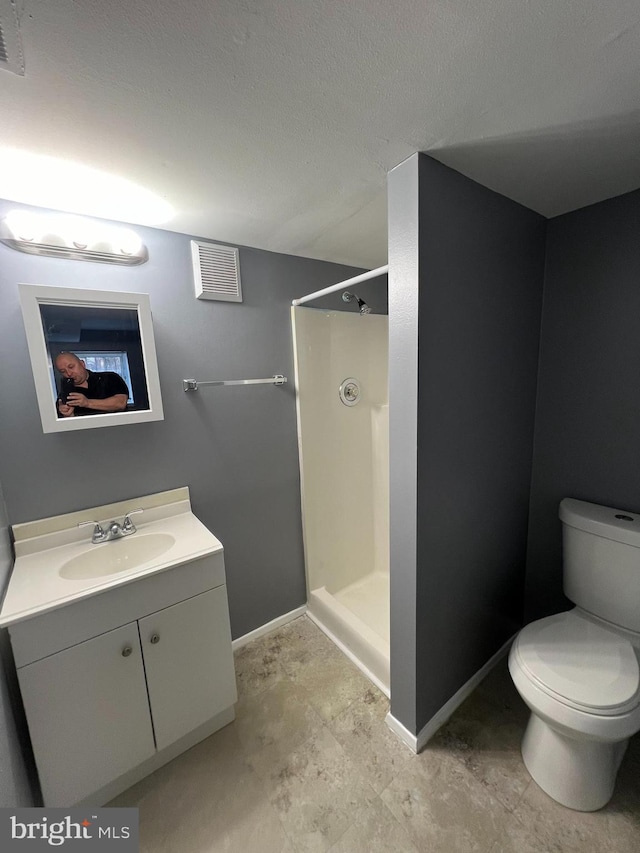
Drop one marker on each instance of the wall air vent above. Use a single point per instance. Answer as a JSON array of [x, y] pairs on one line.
[[216, 271], [11, 57]]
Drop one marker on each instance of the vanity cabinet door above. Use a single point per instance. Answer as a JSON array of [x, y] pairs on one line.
[[88, 714], [189, 664]]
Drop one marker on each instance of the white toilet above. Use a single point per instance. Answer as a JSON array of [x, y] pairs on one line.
[[578, 671]]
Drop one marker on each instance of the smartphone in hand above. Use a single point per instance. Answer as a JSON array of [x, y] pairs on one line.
[[67, 387]]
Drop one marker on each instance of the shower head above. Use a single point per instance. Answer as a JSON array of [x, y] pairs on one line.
[[362, 305]]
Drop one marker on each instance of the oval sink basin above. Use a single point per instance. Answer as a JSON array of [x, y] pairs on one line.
[[120, 555]]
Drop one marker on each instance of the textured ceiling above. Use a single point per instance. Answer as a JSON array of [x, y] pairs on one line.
[[273, 123]]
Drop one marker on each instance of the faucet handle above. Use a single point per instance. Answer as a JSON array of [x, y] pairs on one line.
[[98, 532], [127, 525]]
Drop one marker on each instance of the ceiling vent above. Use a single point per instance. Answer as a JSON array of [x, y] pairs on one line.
[[11, 57], [216, 271]]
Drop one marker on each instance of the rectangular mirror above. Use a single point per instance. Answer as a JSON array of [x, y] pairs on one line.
[[93, 357]]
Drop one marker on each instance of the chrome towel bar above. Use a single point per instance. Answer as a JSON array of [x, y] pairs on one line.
[[193, 385]]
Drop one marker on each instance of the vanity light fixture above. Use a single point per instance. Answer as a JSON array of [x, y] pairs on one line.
[[73, 237]]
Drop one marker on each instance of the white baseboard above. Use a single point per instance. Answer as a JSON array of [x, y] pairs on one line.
[[419, 741], [403, 733], [269, 627], [352, 657]]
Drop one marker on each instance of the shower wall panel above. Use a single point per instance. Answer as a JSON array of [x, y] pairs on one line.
[[343, 449]]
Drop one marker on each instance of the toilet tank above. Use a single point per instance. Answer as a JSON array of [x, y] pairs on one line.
[[601, 561]]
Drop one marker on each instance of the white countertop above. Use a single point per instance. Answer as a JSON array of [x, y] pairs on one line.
[[36, 585]]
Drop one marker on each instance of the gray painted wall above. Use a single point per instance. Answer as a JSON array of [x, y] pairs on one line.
[[473, 266], [588, 410], [15, 791], [235, 447]]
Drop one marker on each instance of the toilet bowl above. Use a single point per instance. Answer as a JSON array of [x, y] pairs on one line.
[[578, 671], [581, 682]]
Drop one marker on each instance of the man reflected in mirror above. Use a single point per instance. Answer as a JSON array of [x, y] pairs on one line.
[[86, 392]]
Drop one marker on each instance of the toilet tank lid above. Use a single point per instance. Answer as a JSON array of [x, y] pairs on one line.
[[616, 524]]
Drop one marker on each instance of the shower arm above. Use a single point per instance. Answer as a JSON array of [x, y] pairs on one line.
[[365, 276]]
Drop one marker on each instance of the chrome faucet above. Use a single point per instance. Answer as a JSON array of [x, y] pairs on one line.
[[128, 527], [114, 530], [99, 534]]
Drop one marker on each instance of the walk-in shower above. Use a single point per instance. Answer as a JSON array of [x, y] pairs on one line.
[[341, 369]]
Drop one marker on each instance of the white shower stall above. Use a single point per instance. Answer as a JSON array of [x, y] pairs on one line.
[[343, 444]]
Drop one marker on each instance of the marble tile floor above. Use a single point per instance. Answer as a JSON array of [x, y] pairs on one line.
[[310, 765]]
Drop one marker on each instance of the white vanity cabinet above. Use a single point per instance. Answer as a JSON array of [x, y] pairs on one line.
[[118, 684], [88, 714], [188, 664]]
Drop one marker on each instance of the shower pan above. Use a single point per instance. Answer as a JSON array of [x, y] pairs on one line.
[[341, 369]]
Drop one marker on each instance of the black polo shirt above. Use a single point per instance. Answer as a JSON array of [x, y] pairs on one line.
[[99, 387]]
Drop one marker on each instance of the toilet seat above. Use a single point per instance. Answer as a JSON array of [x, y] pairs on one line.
[[580, 664]]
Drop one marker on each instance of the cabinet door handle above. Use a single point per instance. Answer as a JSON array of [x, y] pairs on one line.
[[126, 651], [155, 638]]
